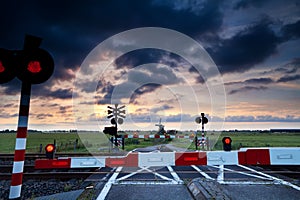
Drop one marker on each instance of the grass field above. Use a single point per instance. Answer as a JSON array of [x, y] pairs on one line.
[[95, 142]]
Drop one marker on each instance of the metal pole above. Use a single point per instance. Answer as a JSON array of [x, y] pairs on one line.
[[20, 147], [202, 139]]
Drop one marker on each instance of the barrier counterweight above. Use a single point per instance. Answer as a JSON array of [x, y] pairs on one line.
[[20, 147]]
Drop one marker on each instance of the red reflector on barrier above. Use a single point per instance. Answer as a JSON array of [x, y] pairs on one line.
[[117, 162], [190, 158], [52, 164], [60, 163]]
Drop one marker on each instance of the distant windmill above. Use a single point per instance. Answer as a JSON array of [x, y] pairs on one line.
[[161, 130]]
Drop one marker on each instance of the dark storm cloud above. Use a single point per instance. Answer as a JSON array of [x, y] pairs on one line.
[[149, 55], [248, 3], [247, 48], [289, 68], [288, 78], [71, 29], [43, 116], [247, 88], [253, 81], [291, 31], [52, 93], [150, 87], [161, 108]]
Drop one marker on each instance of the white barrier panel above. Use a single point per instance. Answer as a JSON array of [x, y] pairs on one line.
[[78, 162], [222, 158], [284, 156], [156, 159]]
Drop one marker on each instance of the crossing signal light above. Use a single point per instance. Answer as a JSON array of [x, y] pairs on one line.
[[32, 64], [227, 143], [36, 66], [50, 150], [111, 130], [7, 66]]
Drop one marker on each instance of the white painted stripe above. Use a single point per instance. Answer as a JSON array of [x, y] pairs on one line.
[[222, 158], [247, 182], [172, 136], [23, 121], [285, 156], [15, 191], [141, 136], [202, 173], [175, 175], [244, 173], [18, 167], [130, 136], [20, 144], [151, 136], [156, 159], [85, 162], [108, 185], [25, 100], [283, 182]]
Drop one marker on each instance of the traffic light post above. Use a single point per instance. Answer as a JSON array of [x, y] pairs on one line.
[[226, 143], [203, 120], [117, 115], [31, 65]]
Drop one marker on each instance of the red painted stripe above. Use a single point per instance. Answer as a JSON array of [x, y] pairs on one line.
[[22, 132], [16, 179], [125, 136], [146, 136], [190, 158], [242, 158], [24, 110], [19, 155], [131, 160], [258, 157]]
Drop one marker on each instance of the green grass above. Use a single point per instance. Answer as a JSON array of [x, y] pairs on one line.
[[95, 142]]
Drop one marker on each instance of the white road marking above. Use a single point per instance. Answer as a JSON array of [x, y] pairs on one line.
[[131, 174], [220, 177], [175, 175], [244, 173], [280, 181], [247, 182], [146, 183], [162, 177], [202, 173], [108, 185]]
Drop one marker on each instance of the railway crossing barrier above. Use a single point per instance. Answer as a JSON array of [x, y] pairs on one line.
[[244, 156]]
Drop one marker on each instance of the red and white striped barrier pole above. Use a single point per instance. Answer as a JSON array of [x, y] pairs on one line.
[[20, 148]]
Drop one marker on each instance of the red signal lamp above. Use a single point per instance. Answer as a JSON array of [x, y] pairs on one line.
[[227, 143], [50, 150], [2, 68], [34, 66]]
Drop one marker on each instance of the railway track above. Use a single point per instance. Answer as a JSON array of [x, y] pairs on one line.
[[49, 175]]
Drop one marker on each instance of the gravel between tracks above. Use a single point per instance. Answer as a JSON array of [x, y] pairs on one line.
[[36, 188]]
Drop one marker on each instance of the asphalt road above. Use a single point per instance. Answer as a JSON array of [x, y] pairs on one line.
[[237, 182]]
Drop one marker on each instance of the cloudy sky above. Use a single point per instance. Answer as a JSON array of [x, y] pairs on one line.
[[254, 44]]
